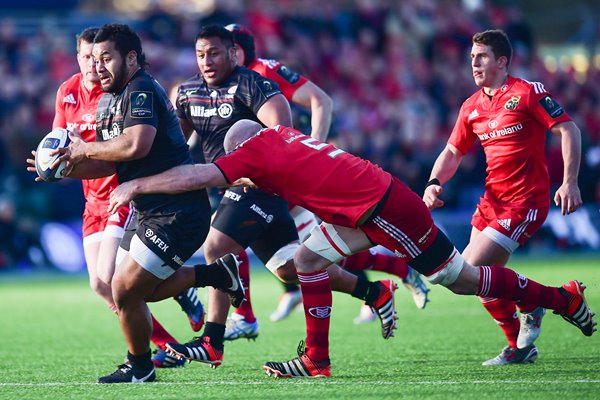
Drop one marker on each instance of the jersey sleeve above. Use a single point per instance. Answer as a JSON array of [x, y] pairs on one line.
[[181, 104], [288, 80], [544, 108], [258, 89], [244, 162], [462, 136], [141, 104], [59, 111]]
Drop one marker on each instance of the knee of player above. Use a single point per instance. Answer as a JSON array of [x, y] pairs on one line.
[[287, 272]]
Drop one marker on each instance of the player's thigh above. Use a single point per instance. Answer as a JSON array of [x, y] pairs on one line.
[[132, 281], [107, 258], [483, 250]]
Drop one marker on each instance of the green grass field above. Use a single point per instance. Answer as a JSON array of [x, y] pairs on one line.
[[57, 338]]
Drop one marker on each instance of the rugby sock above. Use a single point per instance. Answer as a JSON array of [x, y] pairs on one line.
[[215, 332], [290, 287], [372, 260], [365, 290], [504, 313], [245, 309], [160, 336], [211, 275], [143, 361], [317, 300], [527, 307], [504, 283]]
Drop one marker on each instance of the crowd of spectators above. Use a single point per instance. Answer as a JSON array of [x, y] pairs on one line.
[[397, 72]]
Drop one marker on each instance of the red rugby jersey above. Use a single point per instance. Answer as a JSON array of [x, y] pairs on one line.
[[335, 185], [76, 107], [511, 127], [288, 80]]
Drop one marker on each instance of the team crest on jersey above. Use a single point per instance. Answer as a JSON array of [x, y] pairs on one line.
[[553, 109], [141, 104], [512, 103], [225, 110]]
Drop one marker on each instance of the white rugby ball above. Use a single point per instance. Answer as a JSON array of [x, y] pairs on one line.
[[56, 139]]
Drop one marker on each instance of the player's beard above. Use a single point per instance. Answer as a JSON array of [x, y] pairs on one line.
[[119, 79]]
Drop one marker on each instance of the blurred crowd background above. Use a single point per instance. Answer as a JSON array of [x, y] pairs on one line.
[[397, 71]]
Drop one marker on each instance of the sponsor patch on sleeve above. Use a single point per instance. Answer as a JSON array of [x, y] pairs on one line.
[[141, 104], [549, 105], [267, 87], [288, 74]]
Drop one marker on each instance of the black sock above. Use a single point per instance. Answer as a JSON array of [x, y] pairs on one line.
[[361, 289], [290, 287], [215, 332], [372, 293], [142, 361], [211, 275]]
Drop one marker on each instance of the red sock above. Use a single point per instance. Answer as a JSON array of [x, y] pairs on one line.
[[317, 300], [160, 336], [504, 283], [370, 259], [245, 309], [504, 313]]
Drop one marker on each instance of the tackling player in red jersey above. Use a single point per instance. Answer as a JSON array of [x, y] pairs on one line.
[[300, 90], [76, 103], [360, 205], [510, 117]]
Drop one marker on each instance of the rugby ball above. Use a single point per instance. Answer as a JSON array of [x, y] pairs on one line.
[[56, 139]]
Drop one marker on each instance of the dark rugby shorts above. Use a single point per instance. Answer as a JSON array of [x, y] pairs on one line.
[[257, 220], [174, 236]]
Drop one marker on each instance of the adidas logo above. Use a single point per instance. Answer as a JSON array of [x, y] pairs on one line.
[[505, 223], [69, 99], [474, 114], [115, 218]]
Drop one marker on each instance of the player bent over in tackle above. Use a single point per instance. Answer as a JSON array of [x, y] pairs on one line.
[[361, 205]]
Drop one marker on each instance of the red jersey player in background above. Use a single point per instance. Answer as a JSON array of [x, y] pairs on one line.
[[301, 91], [76, 103], [510, 117], [360, 205]]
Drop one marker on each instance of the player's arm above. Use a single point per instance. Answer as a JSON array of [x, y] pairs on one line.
[[59, 112], [443, 170], [320, 104], [183, 178], [568, 194], [134, 143], [275, 111], [91, 169]]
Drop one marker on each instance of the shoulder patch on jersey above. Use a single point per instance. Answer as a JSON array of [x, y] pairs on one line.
[[141, 104], [289, 75], [267, 87], [512, 103], [553, 109]]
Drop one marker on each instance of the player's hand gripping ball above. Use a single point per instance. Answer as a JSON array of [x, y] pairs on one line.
[[56, 139]]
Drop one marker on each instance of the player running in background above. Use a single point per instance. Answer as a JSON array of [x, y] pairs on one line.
[[137, 134], [299, 90], [360, 205], [76, 103], [510, 117]]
